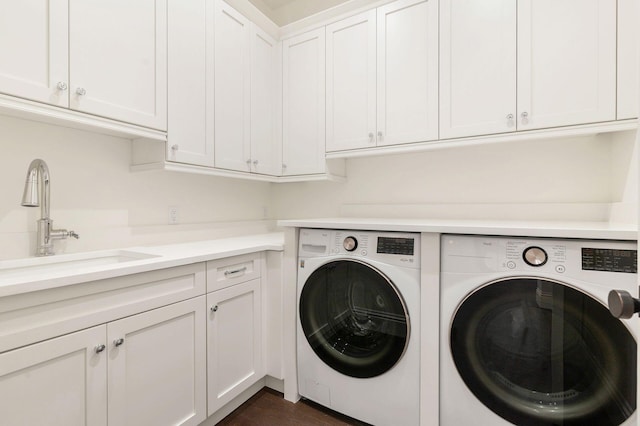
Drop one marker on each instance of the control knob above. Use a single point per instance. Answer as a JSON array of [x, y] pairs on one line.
[[534, 256], [622, 304], [350, 244]]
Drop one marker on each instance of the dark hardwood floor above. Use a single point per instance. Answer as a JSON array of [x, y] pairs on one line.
[[269, 408]]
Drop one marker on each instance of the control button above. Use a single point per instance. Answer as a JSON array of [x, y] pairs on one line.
[[350, 244], [535, 256], [511, 264], [560, 269], [363, 252]]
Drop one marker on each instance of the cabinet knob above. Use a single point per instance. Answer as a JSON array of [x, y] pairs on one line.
[[255, 162], [100, 348], [509, 117], [62, 86], [214, 308], [175, 147], [379, 135], [118, 342], [80, 91], [524, 116], [371, 137]]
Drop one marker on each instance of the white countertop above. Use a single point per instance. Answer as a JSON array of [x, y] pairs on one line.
[[18, 276], [588, 230]]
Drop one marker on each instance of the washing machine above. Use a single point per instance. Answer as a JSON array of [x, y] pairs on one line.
[[358, 328], [526, 337]]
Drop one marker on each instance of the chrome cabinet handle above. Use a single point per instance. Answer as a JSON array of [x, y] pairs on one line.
[[524, 115], [118, 342], [509, 117], [100, 348], [80, 91], [235, 271], [62, 86], [175, 147], [214, 308]]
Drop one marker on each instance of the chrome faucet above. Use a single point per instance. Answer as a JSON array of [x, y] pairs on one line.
[[39, 172]]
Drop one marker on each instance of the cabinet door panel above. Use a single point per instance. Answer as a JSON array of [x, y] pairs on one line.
[[407, 72], [265, 155], [628, 61], [190, 98], [235, 342], [34, 46], [59, 382], [232, 89], [566, 62], [117, 54], [477, 67], [303, 104], [351, 82], [157, 374]]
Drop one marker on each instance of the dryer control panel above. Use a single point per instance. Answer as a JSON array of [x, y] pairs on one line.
[[539, 256]]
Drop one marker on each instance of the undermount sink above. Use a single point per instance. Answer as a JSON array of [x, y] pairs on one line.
[[67, 262]]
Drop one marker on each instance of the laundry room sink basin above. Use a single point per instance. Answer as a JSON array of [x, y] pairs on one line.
[[67, 263]]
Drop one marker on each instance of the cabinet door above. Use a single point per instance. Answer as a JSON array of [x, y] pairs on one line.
[[628, 69], [407, 72], [157, 366], [351, 82], [34, 46], [303, 104], [118, 60], [232, 89], [234, 339], [566, 62], [190, 99], [59, 382], [477, 67], [266, 157]]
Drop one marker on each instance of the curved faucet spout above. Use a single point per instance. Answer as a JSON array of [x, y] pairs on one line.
[[38, 170]]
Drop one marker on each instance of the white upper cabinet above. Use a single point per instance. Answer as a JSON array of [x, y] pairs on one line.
[[351, 82], [628, 69], [566, 62], [407, 79], [245, 95], [382, 76], [546, 64], [190, 100], [266, 155], [232, 89], [34, 36], [103, 58], [303, 104], [118, 60], [477, 67]]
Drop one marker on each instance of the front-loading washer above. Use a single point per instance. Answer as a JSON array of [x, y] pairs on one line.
[[358, 337], [526, 337]]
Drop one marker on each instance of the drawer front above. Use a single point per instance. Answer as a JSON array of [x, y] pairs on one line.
[[226, 272], [33, 317]]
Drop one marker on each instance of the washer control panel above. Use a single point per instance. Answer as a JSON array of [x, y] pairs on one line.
[[396, 248]]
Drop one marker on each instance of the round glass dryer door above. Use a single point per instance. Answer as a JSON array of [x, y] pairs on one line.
[[537, 352], [354, 318]]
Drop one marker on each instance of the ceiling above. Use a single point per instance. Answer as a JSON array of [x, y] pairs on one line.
[[284, 12]]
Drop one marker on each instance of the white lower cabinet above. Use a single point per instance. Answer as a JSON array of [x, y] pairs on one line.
[[153, 365], [234, 339], [58, 382], [157, 367]]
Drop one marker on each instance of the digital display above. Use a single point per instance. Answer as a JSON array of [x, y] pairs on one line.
[[609, 260], [390, 245]]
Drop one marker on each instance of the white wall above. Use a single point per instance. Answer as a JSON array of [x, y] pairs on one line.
[[94, 193], [559, 179]]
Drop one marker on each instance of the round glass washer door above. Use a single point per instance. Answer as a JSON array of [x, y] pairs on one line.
[[354, 318], [538, 352]]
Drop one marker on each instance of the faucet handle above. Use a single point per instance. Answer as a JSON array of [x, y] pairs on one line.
[[73, 234]]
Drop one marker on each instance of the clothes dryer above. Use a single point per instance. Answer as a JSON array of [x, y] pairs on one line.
[[526, 336], [358, 327]]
